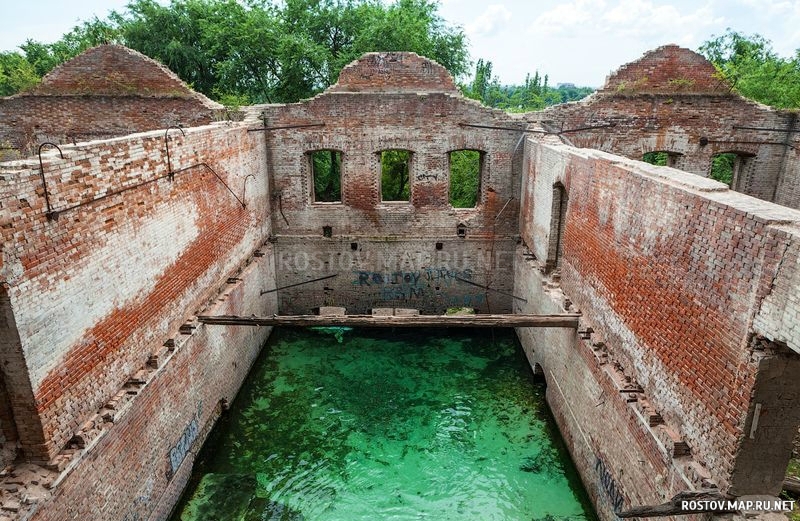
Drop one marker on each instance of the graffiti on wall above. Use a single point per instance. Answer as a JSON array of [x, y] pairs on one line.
[[609, 485], [425, 283], [179, 451]]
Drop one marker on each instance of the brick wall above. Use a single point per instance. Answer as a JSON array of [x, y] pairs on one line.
[[392, 101], [394, 72], [95, 291], [669, 100], [673, 273], [128, 474], [395, 273], [106, 91]]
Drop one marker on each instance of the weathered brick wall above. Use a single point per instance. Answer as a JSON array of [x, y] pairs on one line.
[[620, 462], [30, 120], [396, 273], [95, 291], [107, 91], [394, 72], [669, 100], [788, 190], [392, 101], [673, 273], [668, 69], [139, 466]]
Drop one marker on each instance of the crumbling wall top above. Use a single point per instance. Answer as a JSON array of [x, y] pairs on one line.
[[667, 69], [115, 70], [394, 72]]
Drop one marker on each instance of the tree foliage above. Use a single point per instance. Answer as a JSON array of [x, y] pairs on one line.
[[754, 69], [16, 73], [395, 166], [656, 158], [327, 173], [722, 166], [465, 177], [256, 51], [534, 94]]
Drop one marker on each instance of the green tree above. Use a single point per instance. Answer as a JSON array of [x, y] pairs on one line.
[[263, 51], [465, 176], [327, 171], [534, 94], [394, 175], [754, 69], [656, 158], [722, 167], [16, 73], [45, 57], [282, 52]]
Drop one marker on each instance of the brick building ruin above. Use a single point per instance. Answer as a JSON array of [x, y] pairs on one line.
[[682, 375]]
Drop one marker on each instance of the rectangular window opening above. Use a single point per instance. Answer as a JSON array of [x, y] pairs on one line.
[[395, 175], [326, 167], [465, 178], [661, 158]]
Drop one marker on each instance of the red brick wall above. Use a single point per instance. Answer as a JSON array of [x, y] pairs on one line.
[[667, 101], [106, 91], [406, 104], [26, 121], [668, 69], [670, 271], [393, 72], [127, 474], [95, 292]]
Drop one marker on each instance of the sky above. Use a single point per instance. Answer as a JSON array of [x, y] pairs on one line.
[[572, 41]]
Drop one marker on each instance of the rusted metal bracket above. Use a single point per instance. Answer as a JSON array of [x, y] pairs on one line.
[[285, 127], [170, 174], [580, 129], [50, 213], [265, 291], [490, 127], [737, 127], [208, 167], [487, 288]]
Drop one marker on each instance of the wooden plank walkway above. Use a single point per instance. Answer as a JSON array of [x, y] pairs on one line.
[[561, 321]]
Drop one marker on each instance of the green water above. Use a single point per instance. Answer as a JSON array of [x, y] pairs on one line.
[[402, 425]]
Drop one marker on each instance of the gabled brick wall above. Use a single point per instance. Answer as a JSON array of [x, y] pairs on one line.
[[107, 91]]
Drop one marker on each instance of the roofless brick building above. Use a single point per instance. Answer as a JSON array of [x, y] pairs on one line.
[[682, 374]]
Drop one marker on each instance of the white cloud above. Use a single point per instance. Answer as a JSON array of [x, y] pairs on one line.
[[567, 17], [644, 20], [490, 21]]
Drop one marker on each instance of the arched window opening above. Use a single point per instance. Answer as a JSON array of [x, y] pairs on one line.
[[326, 173], [395, 175], [465, 177]]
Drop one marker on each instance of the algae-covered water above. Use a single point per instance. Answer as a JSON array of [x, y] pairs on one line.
[[387, 425]]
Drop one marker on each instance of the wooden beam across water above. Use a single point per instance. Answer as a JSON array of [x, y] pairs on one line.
[[560, 321]]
